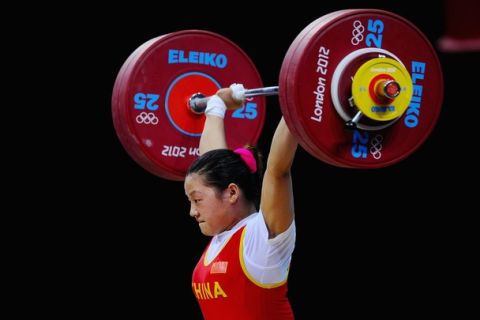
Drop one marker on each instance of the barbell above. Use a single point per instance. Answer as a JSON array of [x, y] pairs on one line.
[[359, 88]]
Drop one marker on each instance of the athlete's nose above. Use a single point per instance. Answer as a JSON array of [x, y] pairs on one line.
[[193, 212]]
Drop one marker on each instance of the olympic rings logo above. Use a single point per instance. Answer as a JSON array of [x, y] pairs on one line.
[[376, 146], [357, 32], [147, 118]]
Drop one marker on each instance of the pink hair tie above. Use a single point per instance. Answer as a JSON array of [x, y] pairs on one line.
[[248, 158]]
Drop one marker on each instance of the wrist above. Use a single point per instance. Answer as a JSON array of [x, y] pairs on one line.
[[216, 107]]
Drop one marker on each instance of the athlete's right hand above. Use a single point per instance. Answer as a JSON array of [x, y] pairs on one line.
[[233, 96]]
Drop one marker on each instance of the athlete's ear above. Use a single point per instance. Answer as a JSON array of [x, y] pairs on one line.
[[233, 193]]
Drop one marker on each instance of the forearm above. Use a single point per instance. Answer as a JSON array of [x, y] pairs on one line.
[[213, 135], [282, 150], [277, 192]]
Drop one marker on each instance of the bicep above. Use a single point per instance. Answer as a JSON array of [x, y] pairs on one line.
[[277, 202], [277, 192]]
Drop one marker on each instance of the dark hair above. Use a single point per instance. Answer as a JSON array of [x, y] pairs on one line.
[[220, 167]]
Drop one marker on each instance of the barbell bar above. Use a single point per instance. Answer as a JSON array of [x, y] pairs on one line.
[[198, 101], [359, 88]]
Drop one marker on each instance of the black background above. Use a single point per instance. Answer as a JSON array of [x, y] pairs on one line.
[[369, 242]]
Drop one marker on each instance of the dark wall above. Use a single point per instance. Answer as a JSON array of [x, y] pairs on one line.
[[369, 242]]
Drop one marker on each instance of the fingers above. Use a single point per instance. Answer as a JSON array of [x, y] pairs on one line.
[[227, 96], [238, 91]]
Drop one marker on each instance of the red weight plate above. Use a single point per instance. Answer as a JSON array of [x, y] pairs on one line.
[[151, 93], [286, 82], [118, 114], [305, 88]]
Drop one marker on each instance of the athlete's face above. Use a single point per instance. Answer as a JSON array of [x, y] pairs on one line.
[[208, 206]]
